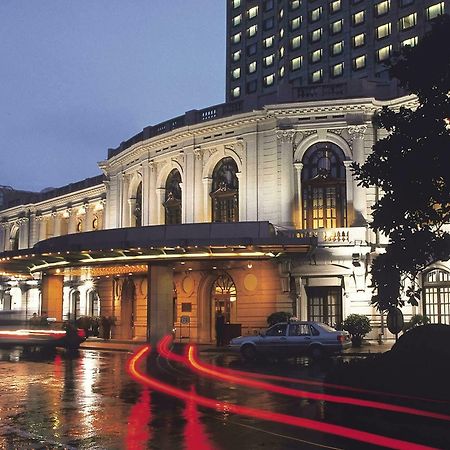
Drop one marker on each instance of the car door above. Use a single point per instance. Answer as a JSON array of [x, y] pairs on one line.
[[274, 340], [299, 338]]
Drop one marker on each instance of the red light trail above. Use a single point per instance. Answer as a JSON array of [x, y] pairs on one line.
[[163, 349], [285, 419]]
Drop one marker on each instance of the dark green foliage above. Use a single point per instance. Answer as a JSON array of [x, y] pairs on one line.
[[357, 325], [415, 321], [276, 317], [411, 168]]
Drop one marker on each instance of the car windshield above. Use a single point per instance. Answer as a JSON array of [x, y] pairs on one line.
[[326, 327]]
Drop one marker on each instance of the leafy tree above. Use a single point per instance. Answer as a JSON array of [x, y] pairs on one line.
[[358, 326], [411, 166]]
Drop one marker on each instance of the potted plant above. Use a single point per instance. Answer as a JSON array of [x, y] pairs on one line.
[[358, 326]]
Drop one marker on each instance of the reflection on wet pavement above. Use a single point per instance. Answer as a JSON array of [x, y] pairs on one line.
[[87, 400]]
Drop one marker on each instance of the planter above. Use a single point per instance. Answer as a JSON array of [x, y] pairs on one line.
[[357, 341]]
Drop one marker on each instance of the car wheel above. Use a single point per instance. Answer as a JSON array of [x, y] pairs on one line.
[[248, 352], [316, 352]]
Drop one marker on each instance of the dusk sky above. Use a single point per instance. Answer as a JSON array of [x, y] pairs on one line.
[[80, 76]]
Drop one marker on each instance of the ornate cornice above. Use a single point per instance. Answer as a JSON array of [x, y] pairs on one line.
[[357, 131], [286, 136]]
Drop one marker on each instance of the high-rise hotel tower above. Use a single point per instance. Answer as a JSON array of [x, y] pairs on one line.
[[294, 50]]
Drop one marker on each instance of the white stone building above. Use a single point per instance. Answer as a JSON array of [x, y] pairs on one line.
[[285, 169]]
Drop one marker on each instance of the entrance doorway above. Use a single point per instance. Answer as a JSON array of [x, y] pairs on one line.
[[223, 299]]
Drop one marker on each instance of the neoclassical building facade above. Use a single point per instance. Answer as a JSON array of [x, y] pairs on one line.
[[247, 213]]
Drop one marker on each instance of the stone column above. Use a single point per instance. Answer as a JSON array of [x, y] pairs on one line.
[[298, 166], [160, 198], [207, 210], [199, 211], [160, 302], [349, 191], [188, 187], [356, 133], [52, 295], [131, 219], [145, 193], [151, 192], [286, 138]]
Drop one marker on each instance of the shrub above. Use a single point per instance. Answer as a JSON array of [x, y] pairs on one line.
[[358, 326], [276, 317], [416, 320]]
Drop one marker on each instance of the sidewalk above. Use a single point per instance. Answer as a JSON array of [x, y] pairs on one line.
[[93, 343]]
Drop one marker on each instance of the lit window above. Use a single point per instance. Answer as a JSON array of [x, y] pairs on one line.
[[295, 23], [337, 70], [412, 42], [359, 62], [281, 71], [236, 73], [268, 42], [408, 21], [236, 92], [384, 53], [281, 14], [337, 48], [281, 33], [383, 30], [235, 3], [236, 38], [296, 42], [295, 4], [316, 55], [317, 76], [252, 67], [296, 63], [358, 18], [281, 52], [316, 35], [335, 6], [382, 8], [269, 60], [251, 31], [315, 14], [269, 80], [237, 20], [336, 27], [435, 10], [237, 55], [252, 12], [359, 40]]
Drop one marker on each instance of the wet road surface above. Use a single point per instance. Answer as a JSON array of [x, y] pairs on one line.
[[88, 400]]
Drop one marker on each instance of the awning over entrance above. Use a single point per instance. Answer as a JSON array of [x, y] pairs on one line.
[[143, 245]]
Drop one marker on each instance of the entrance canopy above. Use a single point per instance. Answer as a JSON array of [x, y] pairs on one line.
[[162, 243]]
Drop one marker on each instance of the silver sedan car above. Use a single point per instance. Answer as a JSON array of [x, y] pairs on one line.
[[293, 339]]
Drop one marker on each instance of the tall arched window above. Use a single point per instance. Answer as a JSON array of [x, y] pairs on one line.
[[225, 191], [138, 206], [172, 203], [323, 187], [436, 291]]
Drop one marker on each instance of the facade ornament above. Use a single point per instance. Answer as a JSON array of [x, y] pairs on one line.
[[152, 165], [211, 151], [308, 133], [286, 135], [357, 131], [198, 152], [337, 131]]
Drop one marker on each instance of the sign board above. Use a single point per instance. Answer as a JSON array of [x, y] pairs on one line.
[[395, 320], [184, 320]]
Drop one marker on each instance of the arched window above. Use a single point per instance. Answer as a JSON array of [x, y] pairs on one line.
[[436, 291], [225, 192], [172, 203], [323, 187], [224, 297], [93, 307], [138, 206]]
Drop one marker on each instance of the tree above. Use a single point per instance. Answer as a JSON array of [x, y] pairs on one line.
[[411, 166]]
